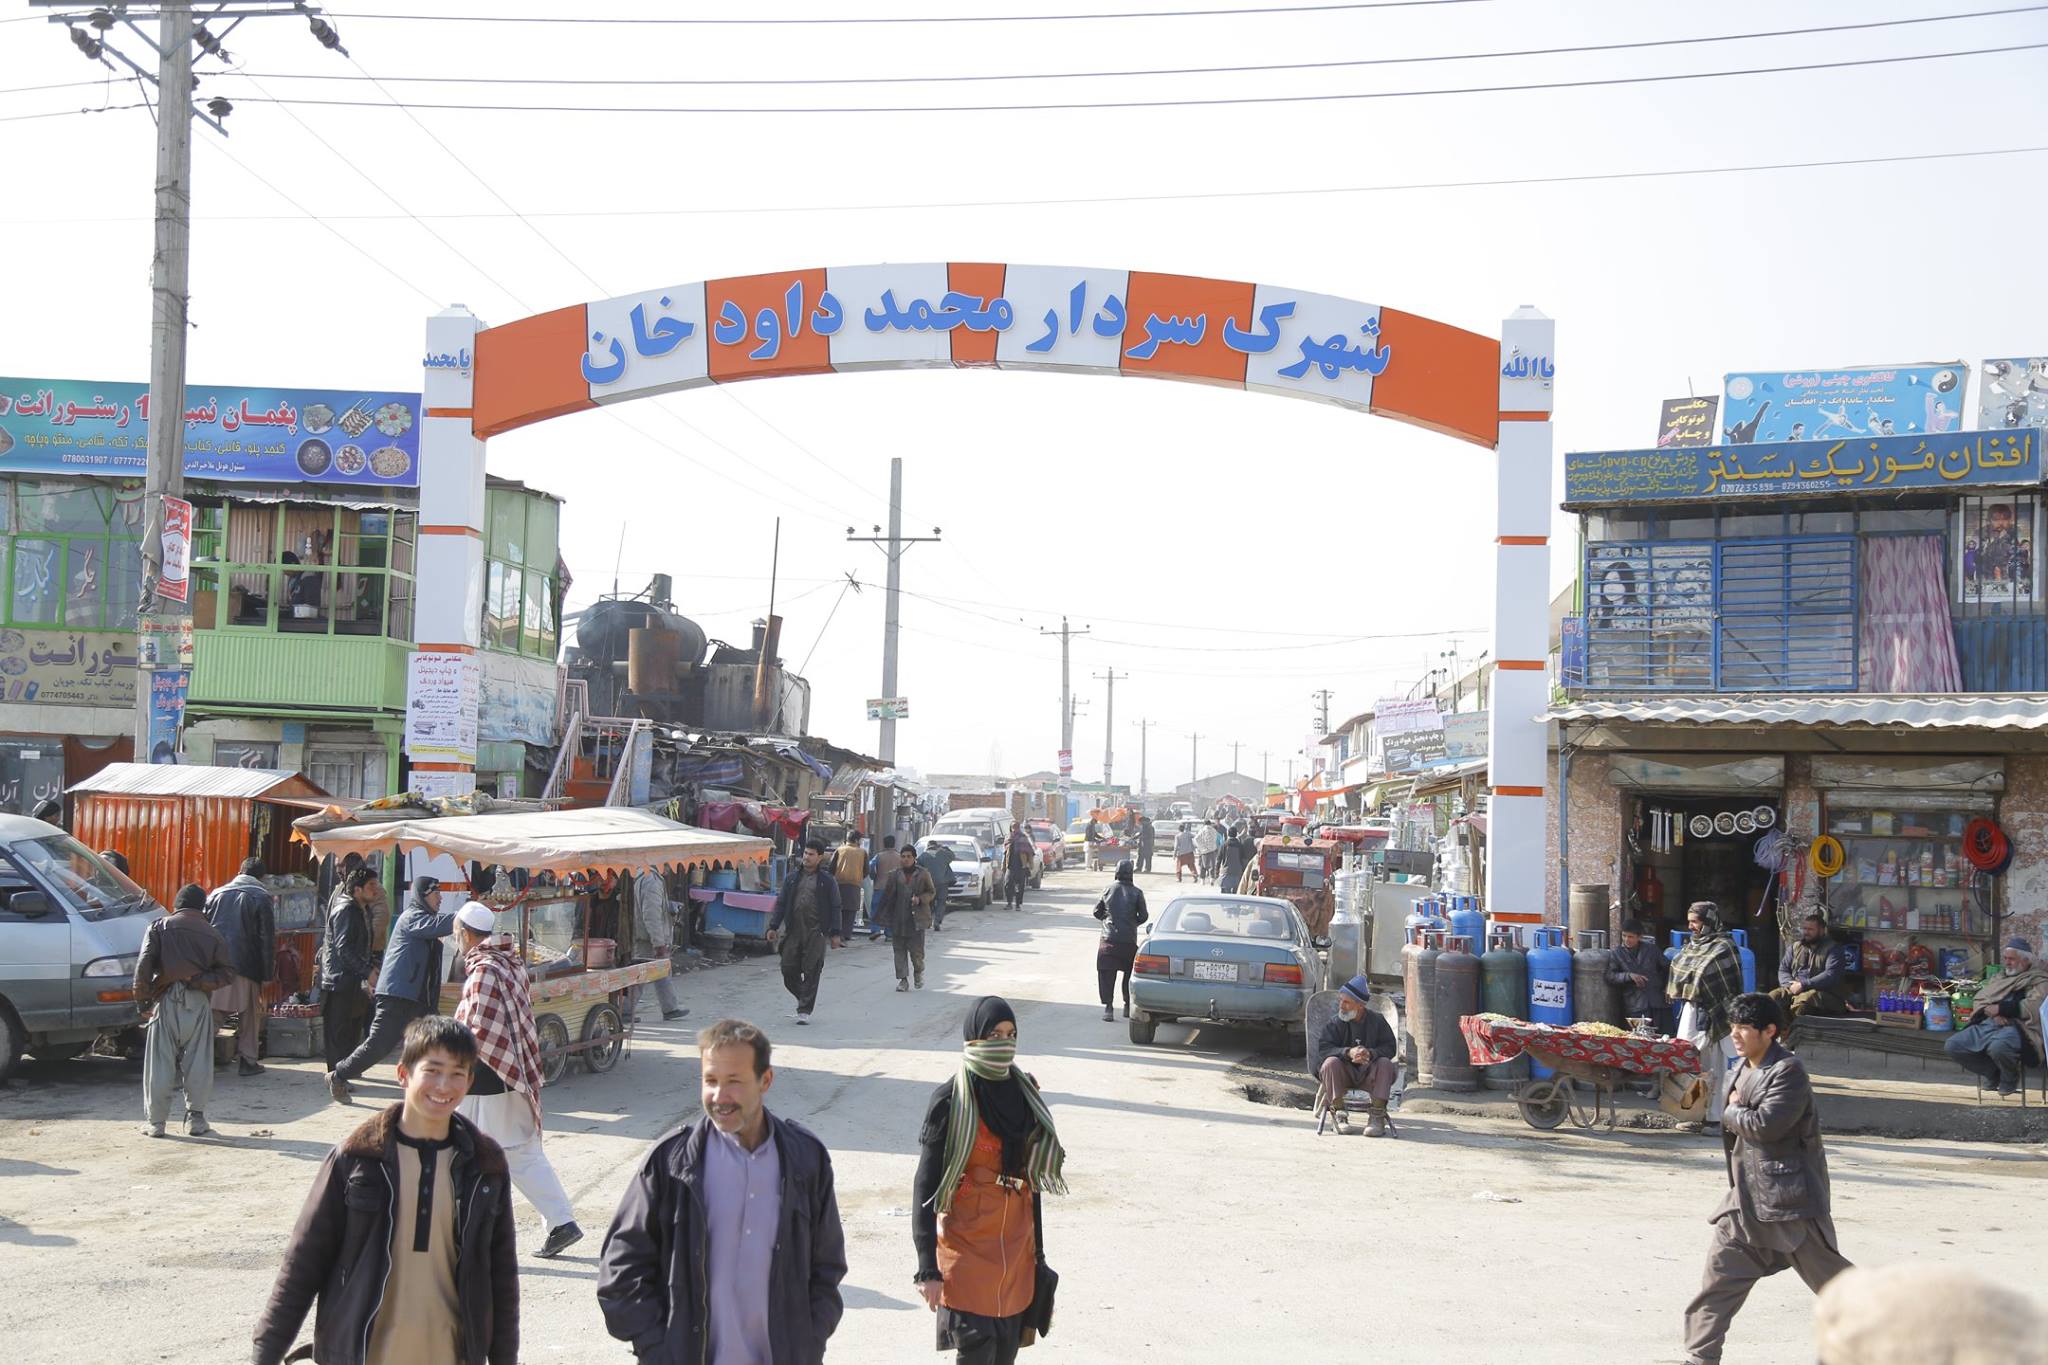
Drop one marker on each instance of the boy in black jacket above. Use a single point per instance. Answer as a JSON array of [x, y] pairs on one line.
[[406, 1240]]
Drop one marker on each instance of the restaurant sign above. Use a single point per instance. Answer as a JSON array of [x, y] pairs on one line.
[[67, 668], [1803, 468], [328, 436]]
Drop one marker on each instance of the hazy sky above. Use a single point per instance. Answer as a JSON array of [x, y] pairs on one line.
[[1232, 552]]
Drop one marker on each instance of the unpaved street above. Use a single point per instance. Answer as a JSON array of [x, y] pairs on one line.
[[1201, 1227]]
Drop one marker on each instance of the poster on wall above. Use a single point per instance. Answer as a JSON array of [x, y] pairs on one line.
[[1994, 548], [441, 707], [2013, 393], [166, 712], [1823, 405], [1465, 736], [1402, 715], [173, 581], [1688, 422]]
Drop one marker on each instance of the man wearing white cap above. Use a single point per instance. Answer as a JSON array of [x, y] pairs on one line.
[[504, 1093]]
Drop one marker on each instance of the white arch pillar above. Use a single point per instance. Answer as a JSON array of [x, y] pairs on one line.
[[1517, 756]]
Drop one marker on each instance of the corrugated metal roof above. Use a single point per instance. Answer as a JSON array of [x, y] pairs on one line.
[[1957, 711], [192, 779]]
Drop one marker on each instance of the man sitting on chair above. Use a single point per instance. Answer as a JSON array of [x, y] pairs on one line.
[[2003, 1033], [1811, 972], [1355, 1051]]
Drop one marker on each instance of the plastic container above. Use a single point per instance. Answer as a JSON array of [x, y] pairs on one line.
[[1550, 985], [1504, 989], [722, 880], [1940, 1013], [1741, 937]]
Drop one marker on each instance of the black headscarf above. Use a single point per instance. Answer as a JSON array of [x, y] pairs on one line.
[[424, 886], [1124, 871], [1003, 1106]]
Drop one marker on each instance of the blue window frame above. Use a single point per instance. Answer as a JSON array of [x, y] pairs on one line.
[[1765, 614]]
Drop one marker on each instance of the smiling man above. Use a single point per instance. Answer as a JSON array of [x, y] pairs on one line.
[[727, 1247]]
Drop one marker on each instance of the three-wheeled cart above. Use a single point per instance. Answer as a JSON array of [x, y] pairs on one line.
[[1599, 1061], [583, 998]]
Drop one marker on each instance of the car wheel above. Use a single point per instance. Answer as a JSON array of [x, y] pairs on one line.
[[1144, 1028], [987, 895], [13, 1038]]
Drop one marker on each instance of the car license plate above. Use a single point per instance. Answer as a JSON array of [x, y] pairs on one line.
[[1213, 971]]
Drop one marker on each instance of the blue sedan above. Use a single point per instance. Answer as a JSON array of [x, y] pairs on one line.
[[1243, 960]]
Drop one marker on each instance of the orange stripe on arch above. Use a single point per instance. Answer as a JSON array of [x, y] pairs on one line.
[[1518, 791], [1439, 376], [1532, 665], [530, 370], [1521, 540], [985, 282]]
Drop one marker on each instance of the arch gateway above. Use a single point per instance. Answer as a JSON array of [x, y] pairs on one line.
[[1491, 391]]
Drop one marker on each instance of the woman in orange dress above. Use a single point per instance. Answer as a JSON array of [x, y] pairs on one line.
[[987, 1153]]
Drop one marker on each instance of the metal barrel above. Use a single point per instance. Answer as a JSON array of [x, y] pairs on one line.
[[1595, 999], [1504, 989], [1421, 977], [1589, 905]]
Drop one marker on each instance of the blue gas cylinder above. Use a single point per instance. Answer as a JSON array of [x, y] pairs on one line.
[[1468, 921], [1741, 937], [1678, 938], [1550, 985]]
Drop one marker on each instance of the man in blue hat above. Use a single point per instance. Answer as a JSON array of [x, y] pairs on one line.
[[1355, 1051]]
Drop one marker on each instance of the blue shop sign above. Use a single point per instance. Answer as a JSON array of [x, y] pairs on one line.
[[329, 436], [1802, 468]]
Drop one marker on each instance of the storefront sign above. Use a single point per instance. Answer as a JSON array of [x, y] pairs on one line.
[[441, 707], [174, 582], [1768, 407], [2013, 393], [166, 712], [1400, 715], [86, 427], [1957, 459], [1688, 422], [1416, 751], [31, 772], [888, 708], [67, 668], [1465, 737]]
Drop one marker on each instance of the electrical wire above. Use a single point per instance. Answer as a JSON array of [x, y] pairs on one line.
[[1213, 101], [66, 113], [845, 20], [1497, 55]]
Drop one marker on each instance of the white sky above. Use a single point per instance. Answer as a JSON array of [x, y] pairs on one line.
[[1176, 520]]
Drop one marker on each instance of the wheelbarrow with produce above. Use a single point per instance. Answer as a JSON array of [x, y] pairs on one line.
[[1597, 1057]]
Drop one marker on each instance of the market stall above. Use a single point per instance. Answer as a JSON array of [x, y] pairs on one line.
[[583, 996], [1595, 1055]]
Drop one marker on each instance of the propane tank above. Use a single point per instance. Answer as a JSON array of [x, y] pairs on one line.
[[1550, 986], [1457, 995], [1741, 937], [1678, 938], [1595, 999], [1467, 921], [1504, 989], [1422, 1005]]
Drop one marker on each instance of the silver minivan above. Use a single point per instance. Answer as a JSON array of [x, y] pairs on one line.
[[70, 929], [988, 826]]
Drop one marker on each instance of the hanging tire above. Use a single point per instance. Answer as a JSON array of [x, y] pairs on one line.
[[605, 1032], [1144, 1028], [554, 1047]]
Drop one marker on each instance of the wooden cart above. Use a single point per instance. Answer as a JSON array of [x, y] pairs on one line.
[[1601, 1062]]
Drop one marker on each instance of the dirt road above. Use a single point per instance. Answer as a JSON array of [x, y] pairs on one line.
[[1201, 1227]]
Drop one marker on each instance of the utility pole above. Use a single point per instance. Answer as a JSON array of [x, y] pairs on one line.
[[893, 549], [1194, 759], [1109, 723], [1144, 734], [1067, 703], [1265, 767], [1322, 701], [1234, 747]]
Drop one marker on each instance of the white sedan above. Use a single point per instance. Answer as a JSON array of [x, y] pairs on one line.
[[974, 870]]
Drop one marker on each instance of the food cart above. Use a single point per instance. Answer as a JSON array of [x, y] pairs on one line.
[[1302, 871], [1595, 1055], [583, 996]]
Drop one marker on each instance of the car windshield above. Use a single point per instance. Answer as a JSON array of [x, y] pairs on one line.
[[1227, 919], [85, 881], [965, 849]]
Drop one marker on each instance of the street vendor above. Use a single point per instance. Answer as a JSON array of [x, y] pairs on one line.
[[1638, 968], [2004, 1032], [1355, 1051], [1811, 973], [1705, 977]]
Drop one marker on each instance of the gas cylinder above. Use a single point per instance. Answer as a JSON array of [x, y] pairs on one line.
[[1595, 999], [1426, 915], [1504, 989], [1468, 921], [1678, 938], [1550, 985], [1457, 995], [1741, 937], [1422, 1005]]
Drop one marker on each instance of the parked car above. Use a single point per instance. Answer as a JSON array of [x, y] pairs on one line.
[[988, 826], [1051, 845], [1243, 960], [974, 870], [70, 929], [1074, 843]]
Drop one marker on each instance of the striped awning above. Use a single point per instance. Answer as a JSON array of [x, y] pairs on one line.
[[1955, 711]]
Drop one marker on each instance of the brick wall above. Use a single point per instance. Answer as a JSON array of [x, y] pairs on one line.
[[1595, 809], [2024, 814]]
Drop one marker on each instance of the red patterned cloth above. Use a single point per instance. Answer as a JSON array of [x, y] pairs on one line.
[[1489, 1041], [497, 1004]]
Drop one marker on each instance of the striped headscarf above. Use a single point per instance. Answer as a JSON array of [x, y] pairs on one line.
[[988, 1069]]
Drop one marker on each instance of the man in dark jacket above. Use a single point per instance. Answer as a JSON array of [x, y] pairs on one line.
[[1811, 974], [407, 987], [406, 1240], [345, 959], [246, 915], [1638, 968], [1776, 1214], [183, 960], [1148, 841], [806, 918], [1122, 910], [1355, 1051], [727, 1244], [1237, 855], [937, 859], [906, 895], [1018, 867]]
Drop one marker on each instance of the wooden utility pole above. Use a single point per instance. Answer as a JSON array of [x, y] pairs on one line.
[[1109, 725]]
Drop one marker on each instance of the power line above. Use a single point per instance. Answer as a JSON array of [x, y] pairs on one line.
[[1213, 101], [1349, 63], [843, 20], [66, 113], [1591, 177]]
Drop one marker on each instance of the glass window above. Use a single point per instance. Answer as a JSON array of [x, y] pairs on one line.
[[508, 526], [535, 625], [402, 541], [501, 606], [38, 581], [1823, 523], [400, 609], [1933, 520], [1238, 919], [85, 572], [1616, 526], [60, 505], [543, 520], [124, 583], [6, 504], [1753, 524], [1686, 528]]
